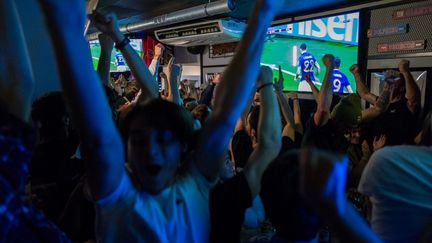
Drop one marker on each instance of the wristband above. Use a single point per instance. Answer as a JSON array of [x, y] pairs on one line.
[[122, 44], [263, 86]]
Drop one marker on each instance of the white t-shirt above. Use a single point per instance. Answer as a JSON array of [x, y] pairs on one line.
[[398, 180], [180, 213]]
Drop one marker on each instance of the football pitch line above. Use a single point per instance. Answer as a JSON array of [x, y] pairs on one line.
[[272, 66]]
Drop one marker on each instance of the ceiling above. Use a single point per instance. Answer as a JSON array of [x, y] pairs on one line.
[[129, 11]]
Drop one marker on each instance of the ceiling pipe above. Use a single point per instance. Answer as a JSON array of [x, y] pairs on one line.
[[197, 12]]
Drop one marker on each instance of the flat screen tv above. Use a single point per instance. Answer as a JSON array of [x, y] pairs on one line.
[[118, 64], [298, 48]]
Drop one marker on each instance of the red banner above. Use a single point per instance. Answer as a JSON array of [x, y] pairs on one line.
[[412, 12], [402, 46]]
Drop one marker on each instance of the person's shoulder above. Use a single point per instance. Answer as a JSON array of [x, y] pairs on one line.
[[401, 154]]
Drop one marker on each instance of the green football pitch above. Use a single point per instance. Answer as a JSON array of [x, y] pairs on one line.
[[280, 50], [95, 52]]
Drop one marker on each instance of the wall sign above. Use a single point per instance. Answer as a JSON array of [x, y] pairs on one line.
[[222, 50], [340, 28], [402, 46], [388, 30], [412, 12]]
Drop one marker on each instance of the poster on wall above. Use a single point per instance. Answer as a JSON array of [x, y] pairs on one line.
[[388, 30], [412, 12], [210, 72], [401, 46]]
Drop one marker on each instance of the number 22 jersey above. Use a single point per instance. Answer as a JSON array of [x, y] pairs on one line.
[[307, 64]]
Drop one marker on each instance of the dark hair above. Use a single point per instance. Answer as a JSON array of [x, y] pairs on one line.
[[254, 117], [337, 62], [283, 204], [303, 46], [201, 112], [162, 115], [48, 107], [49, 110]]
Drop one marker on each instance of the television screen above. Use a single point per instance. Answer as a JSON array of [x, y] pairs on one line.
[[118, 64], [299, 47]]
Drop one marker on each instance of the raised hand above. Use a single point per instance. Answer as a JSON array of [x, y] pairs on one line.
[[158, 51], [174, 71], [354, 69], [279, 82], [322, 179], [378, 143], [404, 66], [328, 60], [107, 24]]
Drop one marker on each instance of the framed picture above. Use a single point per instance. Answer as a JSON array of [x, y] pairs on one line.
[[210, 72]]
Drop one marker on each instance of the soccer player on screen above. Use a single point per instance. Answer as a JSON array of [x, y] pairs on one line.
[[306, 64], [120, 62], [340, 80]]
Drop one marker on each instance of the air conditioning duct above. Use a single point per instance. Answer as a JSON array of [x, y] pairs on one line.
[[202, 33], [197, 12]]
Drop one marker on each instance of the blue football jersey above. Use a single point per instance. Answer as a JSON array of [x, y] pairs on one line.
[[307, 64], [119, 59], [340, 81]]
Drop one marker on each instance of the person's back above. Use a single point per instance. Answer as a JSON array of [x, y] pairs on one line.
[[398, 123], [53, 173], [398, 180], [285, 208]]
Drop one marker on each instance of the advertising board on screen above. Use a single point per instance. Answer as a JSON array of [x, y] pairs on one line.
[[299, 47]]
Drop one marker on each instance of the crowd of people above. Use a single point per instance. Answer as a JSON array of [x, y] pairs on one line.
[[156, 160]]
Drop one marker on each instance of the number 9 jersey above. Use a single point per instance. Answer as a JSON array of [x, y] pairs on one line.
[[339, 82]]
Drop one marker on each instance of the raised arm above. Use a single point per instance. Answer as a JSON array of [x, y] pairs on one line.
[[234, 89], [297, 114], [16, 77], [322, 184], [108, 24], [103, 68], [242, 121], [269, 133], [381, 104], [154, 65], [174, 73], [314, 89], [289, 129], [325, 95], [362, 90], [412, 93], [101, 141]]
